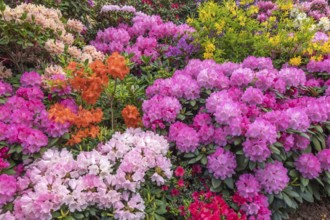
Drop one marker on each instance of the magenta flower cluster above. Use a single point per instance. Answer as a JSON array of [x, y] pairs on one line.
[[142, 38], [107, 178], [222, 163], [24, 119], [249, 101]]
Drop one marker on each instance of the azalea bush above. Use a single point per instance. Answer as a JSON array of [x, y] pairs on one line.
[[254, 130], [282, 30]]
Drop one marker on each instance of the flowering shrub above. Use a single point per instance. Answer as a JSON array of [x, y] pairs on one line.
[[68, 8], [210, 206], [24, 119], [247, 123], [144, 38], [35, 35], [108, 178], [284, 31], [176, 11]]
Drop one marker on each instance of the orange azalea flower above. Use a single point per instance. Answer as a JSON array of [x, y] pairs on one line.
[[84, 117], [81, 134], [131, 116], [117, 66], [61, 114], [72, 66]]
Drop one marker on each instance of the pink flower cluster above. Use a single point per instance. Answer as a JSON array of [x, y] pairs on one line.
[[266, 9], [256, 207], [222, 163], [108, 178], [142, 38], [319, 66], [24, 118], [117, 8], [316, 8]]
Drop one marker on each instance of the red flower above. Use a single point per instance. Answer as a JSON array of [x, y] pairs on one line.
[[179, 172], [182, 210], [175, 5], [180, 183], [196, 169], [175, 192], [164, 188]]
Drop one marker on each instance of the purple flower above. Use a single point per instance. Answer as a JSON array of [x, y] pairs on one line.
[[226, 112], [160, 109], [308, 165], [185, 137], [256, 150], [8, 188], [324, 158], [242, 77], [247, 186], [210, 78], [257, 63], [31, 79], [292, 76], [5, 88], [298, 119], [253, 96], [221, 163], [262, 129], [30, 93], [273, 178]]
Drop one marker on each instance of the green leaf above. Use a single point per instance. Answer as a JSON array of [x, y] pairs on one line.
[[319, 128], [316, 144], [181, 117], [304, 181], [189, 155], [252, 165], [9, 172], [53, 142], [68, 218], [229, 182], [215, 183], [307, 196], [287, 200], [292, 194], [204, 160], [194, 160], [275, 150], [79, 216], [293, 173], [270, 198]]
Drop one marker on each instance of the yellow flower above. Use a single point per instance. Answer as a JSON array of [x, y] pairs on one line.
[[209, 47], [253, 10], [295, 61], [208, 55], [317, 58], [190, 20], [286, 5], [274, 40], [219, 26], [272, 18]]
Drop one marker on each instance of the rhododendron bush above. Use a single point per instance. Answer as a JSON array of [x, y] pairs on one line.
[[254, 129], [147, 38], [108, 178]]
